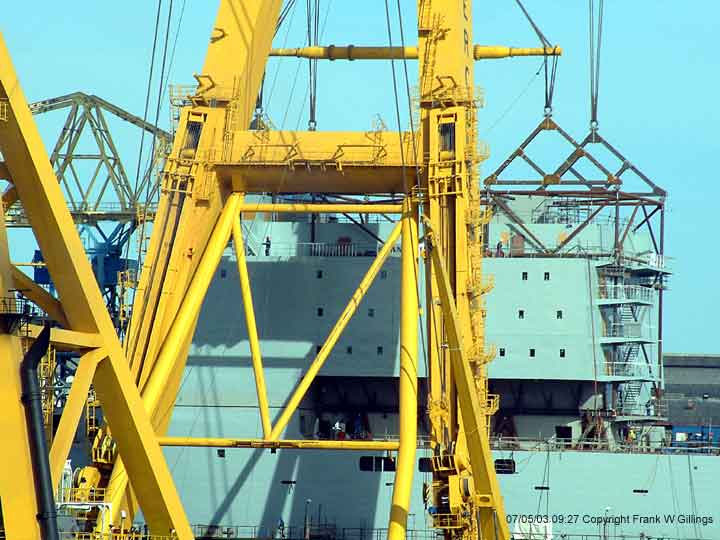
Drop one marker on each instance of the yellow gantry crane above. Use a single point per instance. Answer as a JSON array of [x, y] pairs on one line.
[[430, 174]]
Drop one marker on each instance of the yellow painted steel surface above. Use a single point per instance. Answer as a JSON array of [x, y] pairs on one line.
[[215, 161], [352, 52], [408, 392], [251, 325], [322, 208], [309, 444], [85, 312], [315, 162]]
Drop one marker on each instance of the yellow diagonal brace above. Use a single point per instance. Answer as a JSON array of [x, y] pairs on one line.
[[45, 301], [72, 411], [483, 468], [67, 340], [251, 326], [335, 333]]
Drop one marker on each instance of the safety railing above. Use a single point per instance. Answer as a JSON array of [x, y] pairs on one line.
[[558, 444], [629, 369], [15, 215], [324, 249], [83, 495], [626, 330], [348, 534], [626, 292], [314, 532], [654, 409], [116, 535]]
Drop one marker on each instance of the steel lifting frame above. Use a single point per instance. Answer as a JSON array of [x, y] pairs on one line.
[[608, 192]]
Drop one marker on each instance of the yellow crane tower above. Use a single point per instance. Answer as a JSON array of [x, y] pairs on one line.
[[430, 176]]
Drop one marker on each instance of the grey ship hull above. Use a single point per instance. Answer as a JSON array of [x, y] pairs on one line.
[[660, 495]]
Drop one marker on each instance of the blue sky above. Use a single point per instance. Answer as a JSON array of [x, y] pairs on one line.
[[659, 87]]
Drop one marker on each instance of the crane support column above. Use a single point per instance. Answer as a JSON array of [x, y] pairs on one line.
[[409, 316]]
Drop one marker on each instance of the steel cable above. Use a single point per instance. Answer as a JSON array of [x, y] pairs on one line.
[[595, 46], [550, 67]]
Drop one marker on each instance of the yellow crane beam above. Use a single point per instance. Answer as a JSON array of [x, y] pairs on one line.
[[352, 52], [310, 444]]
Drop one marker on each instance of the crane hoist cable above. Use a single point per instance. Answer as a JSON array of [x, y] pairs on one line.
[[323, 27], [161, 89], [151, 73], [408, 95], [397, 98], [283, 14], [550, 66], [257, 122], [595, 34], [313, 39], [148, 91]]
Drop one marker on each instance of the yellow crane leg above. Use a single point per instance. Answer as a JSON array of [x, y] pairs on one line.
[[409, 314], [72, 411], [351, 52], [17, 484], [488, 500], [191, 304], [335, 333], [251, 326], [177, 335]]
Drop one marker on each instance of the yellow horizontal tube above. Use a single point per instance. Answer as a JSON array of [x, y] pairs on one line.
[[335, 333], [323, 208], [351, 52], [251, 328], [310, 444], [485, 52]]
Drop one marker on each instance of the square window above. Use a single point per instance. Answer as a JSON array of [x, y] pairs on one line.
[[371, 312], [383, 274], [320, 312], [502, 351], [524, 276], [562, 353], [318, 274], [547, 276], [558, 314], [521, 313], [380, 350], [221, 452], [532, 353], [348, 350], [223, 272]]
